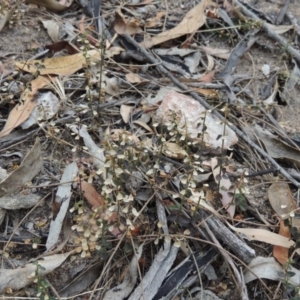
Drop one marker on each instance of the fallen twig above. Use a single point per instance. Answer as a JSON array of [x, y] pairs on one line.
[[238, 276], [283, 12], [239, 247]]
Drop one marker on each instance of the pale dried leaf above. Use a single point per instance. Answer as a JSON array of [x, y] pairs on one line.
[[52, 29], [62, 65], [117, 134], [192, 21], [207, 92], [53, 5], [29, 168], [46, 106], [125, 112], [133, 78], [111, 85], [280, 29], [144, 125], [208, 77], [211, 63], [2, 215], [269, 268], [220, 53], [24, 108], [192, 61], [281, 199], [173, 150], [124, 26], [5, 15], [112, 51], [63, 196], [20, 277], [3, 70], [155, 21], [264, 236]]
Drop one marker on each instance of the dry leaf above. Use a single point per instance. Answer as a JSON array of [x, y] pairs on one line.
[[117, 134], [125, 112], [192, 61], [269, 268], [5, 14], [133, 78], [63, 195], [221, 53], [144, 125], [112, 51], [91, 195], [29, 167], [22, 276], [182, 52], [173, 150], [208, 78], [123, 26], [52, 29], [280, 29], [53, 5], [82, 281], [156, 21], [3, 70], [192, 21], [23, 110], [63, 65], [279, 252], [211, 62], [263, 267], [207, 92], [110, 85], [46, 106], [281, 199], [264, 236]]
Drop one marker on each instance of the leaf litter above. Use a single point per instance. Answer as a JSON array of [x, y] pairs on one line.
[[153, 134]]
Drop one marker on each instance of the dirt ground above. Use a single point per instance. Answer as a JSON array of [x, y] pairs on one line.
[[255, 89]]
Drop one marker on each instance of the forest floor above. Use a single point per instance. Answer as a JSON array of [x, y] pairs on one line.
[[152, 152]]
